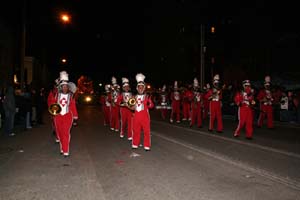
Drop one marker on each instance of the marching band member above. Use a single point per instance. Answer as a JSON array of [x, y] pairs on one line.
[[176, 100], [214, 95], [196, 105], [141, 117], [115, 108], [126, 114], [51, 97], [105, 101], [163, 102], [187, 98], [265, 98], [245, 100], [64, 119], [205, 101]]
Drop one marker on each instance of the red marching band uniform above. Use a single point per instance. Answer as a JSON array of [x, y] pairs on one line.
[[141, 116], [196, 105], [245, 100], [105, 101], [126, 113], [187, 98], [115, 108], [51, 98], [163, 103], [214, 95], [64, 120], [176, 100], [265, 98], [205, 101]]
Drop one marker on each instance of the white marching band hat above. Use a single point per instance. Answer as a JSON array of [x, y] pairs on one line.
[[196, 83], [125, 82], [216, 78], [64, 80], [107, 87], [267, 80], [164, 88], [140, 79], [246, 83], [114, 81], [175, 85]]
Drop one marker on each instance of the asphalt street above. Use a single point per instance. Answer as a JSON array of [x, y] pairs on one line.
[[184, 163]]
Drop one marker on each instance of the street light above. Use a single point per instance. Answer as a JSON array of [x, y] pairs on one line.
[[65, 18], [63, 60]]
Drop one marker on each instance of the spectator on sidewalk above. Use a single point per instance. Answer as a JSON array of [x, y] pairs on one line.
[[9, 107], [284, 108]]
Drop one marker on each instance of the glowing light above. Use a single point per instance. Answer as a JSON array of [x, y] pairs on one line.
[[212, 29], [88, 99], [65, 18], [63, 60]]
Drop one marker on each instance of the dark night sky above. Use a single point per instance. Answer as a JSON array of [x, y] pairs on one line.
[[122, 38]]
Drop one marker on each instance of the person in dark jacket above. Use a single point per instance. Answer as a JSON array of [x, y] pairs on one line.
[[9, 107]]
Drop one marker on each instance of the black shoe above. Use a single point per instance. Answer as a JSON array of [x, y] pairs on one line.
[[200, 127], [219, 131], [210, 130], [249, 138]]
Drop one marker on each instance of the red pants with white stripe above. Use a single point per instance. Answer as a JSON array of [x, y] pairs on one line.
[[115, 118], [197, 115], [107, 115], [215, 114], [175, 110], [141, 121], [266, 111], [245, 115], [186, 110], [126, 122], [63, 125]]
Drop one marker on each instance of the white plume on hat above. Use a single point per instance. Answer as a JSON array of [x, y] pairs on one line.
[[196, 83], [63, 76], [56, 81], [164, 88], [125, 81], [246, 82], [107, 87], [175, 84], [140, 79], [216, 78], [114, 81], [207, 85], [267, 80]]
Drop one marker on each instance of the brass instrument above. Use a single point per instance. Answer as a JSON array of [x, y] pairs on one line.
[[215, 94], [131, 101], [54, 109]]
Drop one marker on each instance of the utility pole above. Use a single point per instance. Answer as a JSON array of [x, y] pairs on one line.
[[202, 52], [23, 46]]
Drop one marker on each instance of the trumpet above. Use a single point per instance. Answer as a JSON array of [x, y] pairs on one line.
[[54, 109]]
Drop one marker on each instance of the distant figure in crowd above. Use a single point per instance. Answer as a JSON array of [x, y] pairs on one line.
[[245, 101], [9, 107], [266, 99]]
